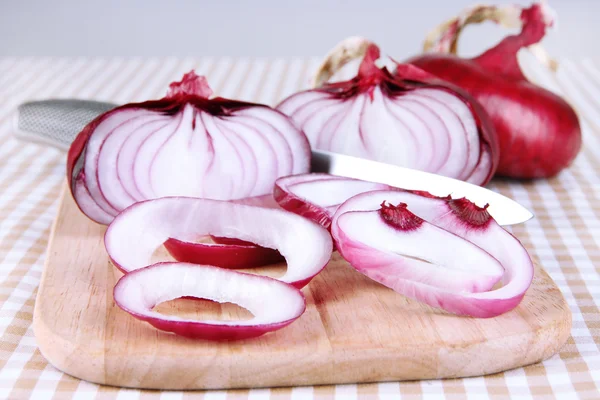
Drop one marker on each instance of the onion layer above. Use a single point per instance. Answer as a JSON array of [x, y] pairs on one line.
[[227, 252], [182, 145], [274, 304], [412, 120], [447, 253], [135, 234], [317, 196]]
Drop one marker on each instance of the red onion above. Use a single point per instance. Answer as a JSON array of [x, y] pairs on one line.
[[135, 234], [182, 145], [411, 119], [538, 131], [447, 253], [273, 304]]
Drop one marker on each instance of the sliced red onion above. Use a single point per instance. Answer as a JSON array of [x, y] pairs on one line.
[[411, 119], [182, 145], [317, 196], [135, 234], [274, 304], [441, 251], [227, 252]]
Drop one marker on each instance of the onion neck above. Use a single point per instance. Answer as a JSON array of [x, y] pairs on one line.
[[502, 58], [369, 74], [190, 85]]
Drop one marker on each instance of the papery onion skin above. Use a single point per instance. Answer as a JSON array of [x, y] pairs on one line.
[[460, 217], [206, 330], [538, 131], [341, 117], [268, 145]]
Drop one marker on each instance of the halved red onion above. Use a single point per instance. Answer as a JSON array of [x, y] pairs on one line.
[[317, 196], [410, 119], [274, 304], [135, 234], [227, 252], [182, 145], [441, 251]]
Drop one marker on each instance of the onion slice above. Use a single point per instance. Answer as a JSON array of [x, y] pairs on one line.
[[135, 234], [274, 304], [441, 251]]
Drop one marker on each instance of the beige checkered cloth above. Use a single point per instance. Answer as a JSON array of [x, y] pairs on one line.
[[565, 235]]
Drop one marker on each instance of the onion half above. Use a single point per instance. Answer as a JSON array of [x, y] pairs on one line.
[[182, 145], [410, 118], [135, 234], [274, 304], [447, 253]]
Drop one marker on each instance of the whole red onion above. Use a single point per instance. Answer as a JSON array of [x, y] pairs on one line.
[[538, 131]]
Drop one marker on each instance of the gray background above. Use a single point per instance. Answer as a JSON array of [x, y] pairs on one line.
[[259, 27]]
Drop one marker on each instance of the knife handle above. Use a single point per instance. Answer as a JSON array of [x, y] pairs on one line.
[[56, 122]]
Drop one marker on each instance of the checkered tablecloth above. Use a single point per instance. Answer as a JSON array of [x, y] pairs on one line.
[[564, 236]]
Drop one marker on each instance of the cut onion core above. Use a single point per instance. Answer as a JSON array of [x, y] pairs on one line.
[[274, 304]]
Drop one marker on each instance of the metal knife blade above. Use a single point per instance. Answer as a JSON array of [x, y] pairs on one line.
[[58, 121]]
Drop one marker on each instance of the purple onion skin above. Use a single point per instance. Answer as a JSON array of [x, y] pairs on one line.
[[538, 132]]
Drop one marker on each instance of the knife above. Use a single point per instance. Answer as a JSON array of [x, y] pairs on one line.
[[58, 121]]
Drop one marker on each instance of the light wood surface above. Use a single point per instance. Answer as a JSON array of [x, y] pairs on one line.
[[354, 330]]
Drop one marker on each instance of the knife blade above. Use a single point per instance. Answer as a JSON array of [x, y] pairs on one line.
[[58, 121]]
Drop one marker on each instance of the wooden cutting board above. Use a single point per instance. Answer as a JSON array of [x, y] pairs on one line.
[[354, 330]]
